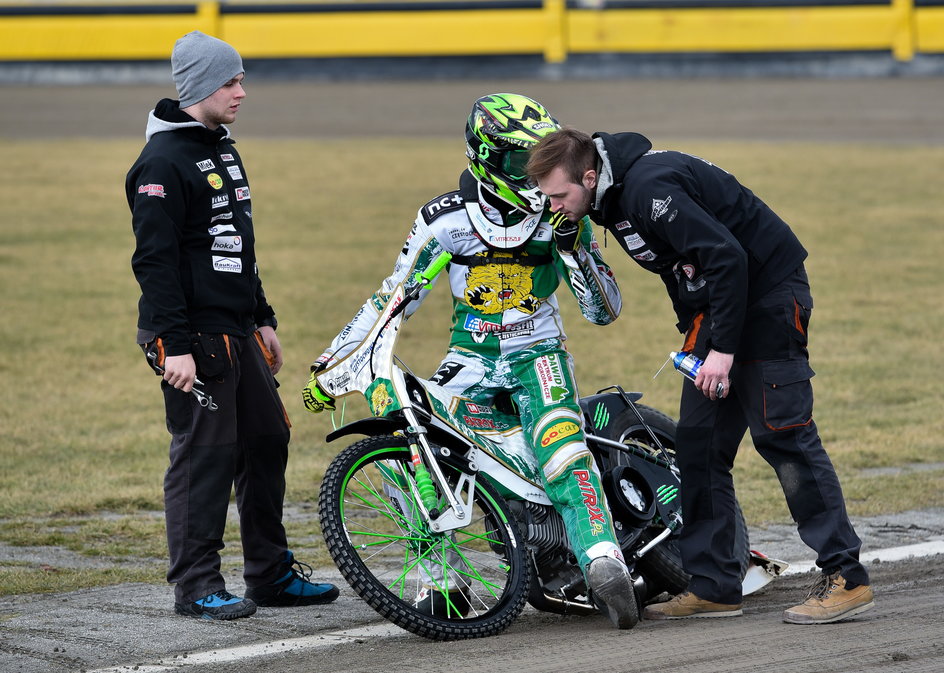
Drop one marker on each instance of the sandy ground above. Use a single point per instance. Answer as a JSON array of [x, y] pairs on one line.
[[907, 110]]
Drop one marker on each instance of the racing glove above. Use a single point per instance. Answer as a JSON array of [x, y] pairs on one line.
[[566, 233], [315, 399]]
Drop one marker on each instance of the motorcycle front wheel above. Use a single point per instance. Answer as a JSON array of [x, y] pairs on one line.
[[470, 582]]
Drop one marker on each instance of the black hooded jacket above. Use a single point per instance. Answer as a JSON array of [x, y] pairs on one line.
[[192, 218], [717, 247]]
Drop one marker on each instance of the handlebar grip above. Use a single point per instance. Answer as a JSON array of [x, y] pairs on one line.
[[434, 269]]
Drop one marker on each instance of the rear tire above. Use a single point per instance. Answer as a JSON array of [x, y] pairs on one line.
[[387, 552], [662, 565]]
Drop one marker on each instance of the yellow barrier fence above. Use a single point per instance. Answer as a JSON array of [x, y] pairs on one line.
[[70, 31]]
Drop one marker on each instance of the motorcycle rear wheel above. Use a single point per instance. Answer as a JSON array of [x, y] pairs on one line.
[[388, 553], [662, 565]]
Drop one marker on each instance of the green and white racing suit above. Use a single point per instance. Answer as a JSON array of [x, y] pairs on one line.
[[507, 337]]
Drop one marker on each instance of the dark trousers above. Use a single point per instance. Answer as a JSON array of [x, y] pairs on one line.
[[772, 396], [243, 443]]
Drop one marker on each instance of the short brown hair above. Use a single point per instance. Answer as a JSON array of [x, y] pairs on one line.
[[568, 148]]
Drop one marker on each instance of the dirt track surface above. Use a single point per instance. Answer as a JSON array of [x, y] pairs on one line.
[[907, 110], [132, 628]]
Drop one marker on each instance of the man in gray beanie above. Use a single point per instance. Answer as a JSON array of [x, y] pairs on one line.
[[207, 329], [202, 64]]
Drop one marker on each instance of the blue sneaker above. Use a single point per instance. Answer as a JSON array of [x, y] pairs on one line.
[[293, 588], [219, 605]]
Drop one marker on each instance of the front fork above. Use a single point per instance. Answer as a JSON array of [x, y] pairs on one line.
[[429, 481]]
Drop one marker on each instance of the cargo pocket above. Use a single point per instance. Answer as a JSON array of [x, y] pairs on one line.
[[211, 354], [788, 394]]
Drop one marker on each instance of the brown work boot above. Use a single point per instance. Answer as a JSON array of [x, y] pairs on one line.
[[689, 605], [830, 601]]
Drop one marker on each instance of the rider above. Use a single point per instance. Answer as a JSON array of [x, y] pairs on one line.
[[507, 261]]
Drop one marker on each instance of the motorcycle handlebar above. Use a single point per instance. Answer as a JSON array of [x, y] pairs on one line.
[[426, 277]]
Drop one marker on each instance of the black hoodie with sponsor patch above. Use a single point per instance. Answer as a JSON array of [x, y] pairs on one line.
[[192, 218], [715, 244]]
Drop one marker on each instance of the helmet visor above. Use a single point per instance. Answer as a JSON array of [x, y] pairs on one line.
[[513, 163]]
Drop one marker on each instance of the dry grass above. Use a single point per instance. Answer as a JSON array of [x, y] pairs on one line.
[[81, 418]]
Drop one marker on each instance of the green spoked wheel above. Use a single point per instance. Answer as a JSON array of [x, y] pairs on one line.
[[470, 582]]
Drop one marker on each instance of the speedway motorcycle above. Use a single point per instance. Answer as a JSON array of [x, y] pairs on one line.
[[444, 497]]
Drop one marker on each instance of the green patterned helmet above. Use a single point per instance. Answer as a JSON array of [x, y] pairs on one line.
[[501, 129]]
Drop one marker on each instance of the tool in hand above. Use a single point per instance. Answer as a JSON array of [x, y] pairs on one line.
[[204, 399]]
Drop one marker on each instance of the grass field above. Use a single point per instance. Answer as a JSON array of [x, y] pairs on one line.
[[82, 440]]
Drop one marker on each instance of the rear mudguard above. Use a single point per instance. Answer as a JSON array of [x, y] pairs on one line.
[[603, 407]]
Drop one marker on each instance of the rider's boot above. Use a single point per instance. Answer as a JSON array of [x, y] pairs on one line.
[[611, 588]]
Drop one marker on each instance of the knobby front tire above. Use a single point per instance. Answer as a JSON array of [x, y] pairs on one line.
[[388, 554]]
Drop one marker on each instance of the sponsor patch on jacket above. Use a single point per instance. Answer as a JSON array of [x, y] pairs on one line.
[[633, 241], [444, 204], [234, 172], [645, 256], [518, 329], [660, 207], [216, 182], [242, 193], [228, 243], [152, 190], [220, 201], [222, 216], [228, 264], [475, 324], [220, 229], [206, 165], [227, 157]]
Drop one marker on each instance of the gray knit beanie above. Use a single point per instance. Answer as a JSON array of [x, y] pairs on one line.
[[202, 64]]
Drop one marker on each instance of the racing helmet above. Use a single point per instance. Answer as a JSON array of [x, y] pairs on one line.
[[501, 129]]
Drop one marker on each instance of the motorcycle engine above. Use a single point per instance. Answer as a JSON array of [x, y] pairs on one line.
[[543, 529]]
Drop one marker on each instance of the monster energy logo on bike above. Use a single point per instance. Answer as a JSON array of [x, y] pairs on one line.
[[667, 493], [601, 417]]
